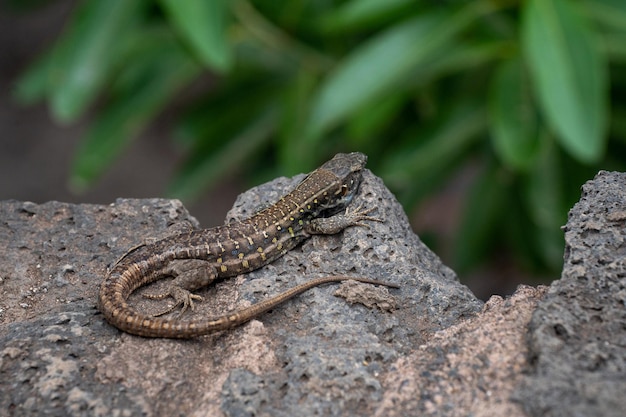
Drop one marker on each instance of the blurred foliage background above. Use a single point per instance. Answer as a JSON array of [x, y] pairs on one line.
[[526, 93]]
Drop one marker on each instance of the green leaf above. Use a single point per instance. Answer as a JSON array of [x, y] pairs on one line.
[[370, 122], [544, 194], [87, 51], [202, 24], [615, 48], [383, 64], [126, 115], [519, 231], [433, 146], [206, 167], [618, 123], [610, 18], [373, 69], [483, 211], [514, 124], [32, 86], [458, 58], [294, 154], [360, 14], [570, 75], [611, 13], [141, 53], [220, 115]]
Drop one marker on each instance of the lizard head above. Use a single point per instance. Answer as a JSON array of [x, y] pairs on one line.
[[344, 164], [342, 175]]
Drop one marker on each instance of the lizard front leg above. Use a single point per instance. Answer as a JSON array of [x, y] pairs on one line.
[[338, 222], [189, 275]]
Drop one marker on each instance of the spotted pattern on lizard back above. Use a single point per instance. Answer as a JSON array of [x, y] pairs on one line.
[[199, 257]]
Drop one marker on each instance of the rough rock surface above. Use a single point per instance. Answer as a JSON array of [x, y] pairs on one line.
[[429, 348], [577, 335]]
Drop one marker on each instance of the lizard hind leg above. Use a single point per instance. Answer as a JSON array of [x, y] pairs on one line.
[[189, 275], [181, 296]]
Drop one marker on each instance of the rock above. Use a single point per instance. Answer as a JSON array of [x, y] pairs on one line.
[[468, 369], [317, 354], [577, 335], [428, 348]]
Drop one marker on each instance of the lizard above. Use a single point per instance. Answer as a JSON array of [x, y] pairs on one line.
[[319, 205]]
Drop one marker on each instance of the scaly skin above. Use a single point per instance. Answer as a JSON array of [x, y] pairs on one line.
[[197, 258]]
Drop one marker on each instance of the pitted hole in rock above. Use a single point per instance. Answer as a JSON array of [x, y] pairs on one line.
[[560, 331], [369, 253], [283, 389]]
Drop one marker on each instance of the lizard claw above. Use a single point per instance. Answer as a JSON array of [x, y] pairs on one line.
[[180, 295], [358, 216]]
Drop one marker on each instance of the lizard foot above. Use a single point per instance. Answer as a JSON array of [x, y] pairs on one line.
[[358, 216], [338, 222], [180, 295]]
